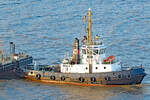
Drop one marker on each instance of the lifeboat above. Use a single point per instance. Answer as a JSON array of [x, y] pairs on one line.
[[109, 59]]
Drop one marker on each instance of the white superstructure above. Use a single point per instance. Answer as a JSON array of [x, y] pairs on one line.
[[91, 57]]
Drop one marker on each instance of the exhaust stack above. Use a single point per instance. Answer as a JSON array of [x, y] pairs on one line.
[[75, 54], [12, 48]]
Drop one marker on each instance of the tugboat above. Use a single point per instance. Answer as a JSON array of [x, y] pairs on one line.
[[11, 67], [88, 66]]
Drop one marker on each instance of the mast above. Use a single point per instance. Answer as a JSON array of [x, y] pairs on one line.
[[2, 57], [90, 28], [89, 41], [2, 52]]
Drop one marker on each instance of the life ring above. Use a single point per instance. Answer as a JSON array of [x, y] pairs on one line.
[[81, 79], [93, 79], [38, 76], [63, 78]]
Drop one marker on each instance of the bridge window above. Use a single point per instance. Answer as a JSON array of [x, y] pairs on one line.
[[89, 56], [102, 51], [83, 51], [95, 52]]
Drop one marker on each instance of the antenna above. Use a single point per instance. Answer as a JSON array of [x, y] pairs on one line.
[[35, 65]]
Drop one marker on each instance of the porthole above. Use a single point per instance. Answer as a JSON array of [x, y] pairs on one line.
[[86, 68], [96, 67], [104, 67]]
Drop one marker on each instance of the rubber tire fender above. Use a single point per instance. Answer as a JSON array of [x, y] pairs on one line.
[[52, 77], [81, 79], [38, 76], [63, 78], [93, 79]]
